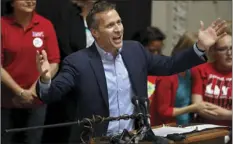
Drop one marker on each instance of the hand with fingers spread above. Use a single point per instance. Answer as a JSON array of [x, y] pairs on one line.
[[43, 66], [209, 36]]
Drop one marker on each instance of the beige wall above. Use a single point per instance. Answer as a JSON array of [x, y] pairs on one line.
[[193, 11]]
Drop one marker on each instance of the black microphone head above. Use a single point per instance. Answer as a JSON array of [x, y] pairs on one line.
[[144, 99], [136, 103], [135, 100]]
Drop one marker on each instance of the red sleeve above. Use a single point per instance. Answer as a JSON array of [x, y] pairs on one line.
[[197, 82], [162, 101], [152, 109], [52, 48]]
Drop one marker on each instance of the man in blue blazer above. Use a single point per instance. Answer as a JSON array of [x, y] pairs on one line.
[[105, 76]]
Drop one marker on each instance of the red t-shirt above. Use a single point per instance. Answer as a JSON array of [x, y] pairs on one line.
[[18, 52], [215, 87]]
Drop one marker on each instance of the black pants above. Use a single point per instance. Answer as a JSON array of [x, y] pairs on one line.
[[18, 118], [59, 112]]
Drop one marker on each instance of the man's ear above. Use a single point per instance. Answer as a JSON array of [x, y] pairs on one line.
[[94, 33]]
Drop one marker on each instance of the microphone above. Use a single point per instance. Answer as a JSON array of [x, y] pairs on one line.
[[136, 103], [140, 110], [148, 134], [144, 101]]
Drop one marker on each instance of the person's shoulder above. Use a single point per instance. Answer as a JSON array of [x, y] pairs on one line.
[[132, 46], [131, 43], [6, 20], [42, 20], [77, 56], [203, 67], [6, 24]]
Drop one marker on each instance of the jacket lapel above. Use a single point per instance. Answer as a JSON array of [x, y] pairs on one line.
[[131, 68], [97, 66]]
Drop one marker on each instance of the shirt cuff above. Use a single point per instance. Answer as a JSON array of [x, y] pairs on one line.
[[44, 85], [197, 51]]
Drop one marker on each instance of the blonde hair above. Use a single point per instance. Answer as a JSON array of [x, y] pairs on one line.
[[229, 32], [229, 28], [186, 41]]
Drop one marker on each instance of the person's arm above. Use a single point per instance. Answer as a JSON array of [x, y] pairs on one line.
[[54, 69], [163, 97], [162, 65], [183, 110], [52, 49], [21, 95], [52, 90], [9, 82], [164, 100], [6, 79], [221, 113], [217, 113], [197, 90], [5, 76], [52, 52]]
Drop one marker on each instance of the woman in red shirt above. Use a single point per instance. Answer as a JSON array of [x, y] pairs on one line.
[[171, 102], [23, 33], [212, 83]]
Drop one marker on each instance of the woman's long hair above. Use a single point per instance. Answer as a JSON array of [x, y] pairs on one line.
[[186, 41]]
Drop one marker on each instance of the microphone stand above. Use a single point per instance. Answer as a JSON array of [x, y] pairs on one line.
[[86, 122], [147, 133]]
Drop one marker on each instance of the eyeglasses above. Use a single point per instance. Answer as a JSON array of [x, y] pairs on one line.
[[224, 49]]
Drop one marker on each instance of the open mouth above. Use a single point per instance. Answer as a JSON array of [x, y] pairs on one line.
[[117, 39]]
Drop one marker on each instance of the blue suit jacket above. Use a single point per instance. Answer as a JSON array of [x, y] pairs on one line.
[[83, 73]]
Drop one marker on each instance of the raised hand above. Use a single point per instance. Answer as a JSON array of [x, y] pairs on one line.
[[209, 36], [43, 66]]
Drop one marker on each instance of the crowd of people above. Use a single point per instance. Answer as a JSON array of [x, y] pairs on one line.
[[68, 64]]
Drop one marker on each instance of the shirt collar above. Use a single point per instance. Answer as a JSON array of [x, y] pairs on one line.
[[35, 19], [106, 55]]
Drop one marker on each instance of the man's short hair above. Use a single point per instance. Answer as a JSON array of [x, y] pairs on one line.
[[98, 7]]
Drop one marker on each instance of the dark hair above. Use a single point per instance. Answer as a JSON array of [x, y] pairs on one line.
[[148, 35], [99, 6], [7, 8]]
